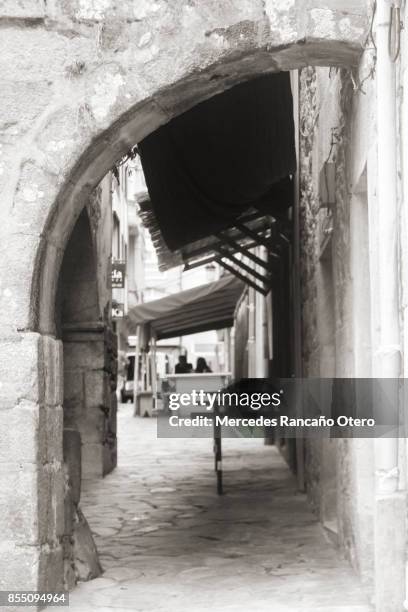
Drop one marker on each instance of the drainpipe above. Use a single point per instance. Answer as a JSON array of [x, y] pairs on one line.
[[389, 522]]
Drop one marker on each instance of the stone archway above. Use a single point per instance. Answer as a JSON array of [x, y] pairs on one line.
[[88, 79], [82, 332]]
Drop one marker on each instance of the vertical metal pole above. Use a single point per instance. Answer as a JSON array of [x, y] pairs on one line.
[[217, 452], [153, 370], [148, 371]]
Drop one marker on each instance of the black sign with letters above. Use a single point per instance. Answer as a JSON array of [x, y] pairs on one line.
[[118, 311], [118, 274]]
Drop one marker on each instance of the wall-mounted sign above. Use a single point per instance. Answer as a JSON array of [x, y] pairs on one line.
[[118, 310], [118, 274]]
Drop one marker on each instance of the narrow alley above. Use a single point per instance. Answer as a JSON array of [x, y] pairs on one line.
[[168, 543]]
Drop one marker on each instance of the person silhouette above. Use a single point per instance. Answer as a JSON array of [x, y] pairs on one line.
[[202, 367], [182, 367]]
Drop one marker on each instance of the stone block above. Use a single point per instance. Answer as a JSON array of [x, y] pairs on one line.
[[72, 459], [31, 489], [34, 196], [49, 263], [56, 525], [50, 520], [23, 103], [92, 460], [18, 566], [18, 248], [280, 13], [73, 384], [53, 370], [19, 500], [44, 495], [69, 511], [21, 438], [389, 551], [63, 133], [23, 9], [51, 569], [91, 424], [53, 427], [72, 413], [109, 10], [84, 355], [97, 388], [40, 54], [21, 370]]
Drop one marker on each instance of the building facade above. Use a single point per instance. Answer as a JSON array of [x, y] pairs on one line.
[[82, 82]]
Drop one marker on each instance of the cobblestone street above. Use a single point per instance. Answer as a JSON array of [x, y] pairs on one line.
[[168, 543]]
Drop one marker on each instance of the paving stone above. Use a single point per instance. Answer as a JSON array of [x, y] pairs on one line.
[[258, 547]]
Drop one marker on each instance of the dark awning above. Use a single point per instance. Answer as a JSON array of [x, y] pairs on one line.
[[196, 310], [233, 152]]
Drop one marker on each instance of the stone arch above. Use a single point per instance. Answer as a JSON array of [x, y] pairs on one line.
[[102, 75], [78, 326], [77, 294], [119, 98], [89, 348]]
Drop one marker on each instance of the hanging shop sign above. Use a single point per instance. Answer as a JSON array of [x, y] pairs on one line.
[[118, 274], [118, 310]]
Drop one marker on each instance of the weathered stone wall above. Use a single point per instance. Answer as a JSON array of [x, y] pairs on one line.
[[337, 125], [99, 208], [89, 352], [89, 402], [100, 213], [89, 436], [31, 460], [83, 307], [403, 149], [88, 79], [81, 82], [80, 557]]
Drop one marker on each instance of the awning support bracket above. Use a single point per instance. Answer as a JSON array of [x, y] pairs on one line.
[[260, 240], [237, 247], [227, 247], [200, 262], [242, 277], [227, 254]]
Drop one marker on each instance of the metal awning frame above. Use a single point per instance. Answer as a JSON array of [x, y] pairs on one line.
[[272, 237]]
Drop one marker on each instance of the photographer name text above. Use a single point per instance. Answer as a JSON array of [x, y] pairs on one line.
[[261, 421]]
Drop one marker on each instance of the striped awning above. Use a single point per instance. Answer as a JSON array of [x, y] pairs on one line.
[[195, 310]]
